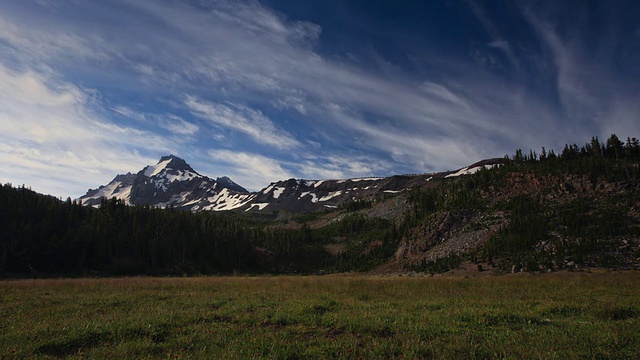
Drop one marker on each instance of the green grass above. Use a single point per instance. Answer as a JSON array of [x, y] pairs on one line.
[[570, 316]]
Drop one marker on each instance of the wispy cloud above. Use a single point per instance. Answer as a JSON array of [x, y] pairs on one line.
[[339, 166], [498, 39], [36, 44], [170, 122], [256, 171], [243, 119], [590, 94], [253, 171]]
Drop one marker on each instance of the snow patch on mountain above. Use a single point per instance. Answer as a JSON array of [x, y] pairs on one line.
[[116, 190], [175, 199], [366, 179], [259, 206], [227, 200], [268, 188], [182, 176], [278, 191], [314, 197], [331, 195], [470, 170], [153, 170], [159, 184]]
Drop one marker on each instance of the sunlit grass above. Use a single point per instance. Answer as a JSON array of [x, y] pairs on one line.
[[571, 316]]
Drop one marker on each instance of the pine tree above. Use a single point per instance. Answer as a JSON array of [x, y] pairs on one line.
[[614, 147]]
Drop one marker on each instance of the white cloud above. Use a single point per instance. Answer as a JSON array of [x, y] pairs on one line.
[[243, 119], [173, 123], [500, 44], [53, 141], [339, 167], [253, 171], [36, 43], [130, 113], [177, 125]]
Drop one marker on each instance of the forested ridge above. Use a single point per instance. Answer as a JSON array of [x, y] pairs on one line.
[[536, 211], [543, 210]]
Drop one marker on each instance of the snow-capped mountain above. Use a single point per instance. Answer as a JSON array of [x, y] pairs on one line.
[[171, 182], [298, 195]]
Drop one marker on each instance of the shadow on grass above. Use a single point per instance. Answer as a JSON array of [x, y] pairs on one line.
[[502, 319], [84, 341], [619, 313], [73, 345]]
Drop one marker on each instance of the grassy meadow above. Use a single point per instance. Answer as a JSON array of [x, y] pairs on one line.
[[562, 316]]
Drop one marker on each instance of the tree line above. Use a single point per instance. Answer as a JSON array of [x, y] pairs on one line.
[[42, 235]]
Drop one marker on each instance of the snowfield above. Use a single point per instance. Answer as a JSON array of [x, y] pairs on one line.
[[153, 170], [469, 171], [277, 192], [115, 189], [331, 195]]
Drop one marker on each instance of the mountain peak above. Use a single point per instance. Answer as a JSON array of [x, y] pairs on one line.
[[168, 162], [170, 182], [225, 182], [170, 157]]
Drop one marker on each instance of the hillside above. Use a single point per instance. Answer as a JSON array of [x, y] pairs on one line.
[[535, 212]]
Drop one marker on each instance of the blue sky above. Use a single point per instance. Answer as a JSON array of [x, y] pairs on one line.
[[266, 90]]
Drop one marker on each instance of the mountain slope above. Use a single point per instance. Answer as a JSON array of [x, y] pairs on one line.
[[171, 182], [579, 209]]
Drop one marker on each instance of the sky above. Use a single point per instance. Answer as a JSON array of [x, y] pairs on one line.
[[265, 90]]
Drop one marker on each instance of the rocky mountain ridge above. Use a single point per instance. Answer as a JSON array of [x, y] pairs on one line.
[[173, 183]]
